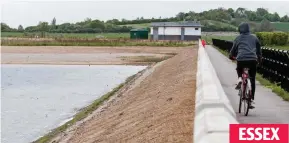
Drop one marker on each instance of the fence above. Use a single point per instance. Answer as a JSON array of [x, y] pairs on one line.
[[275, 63]]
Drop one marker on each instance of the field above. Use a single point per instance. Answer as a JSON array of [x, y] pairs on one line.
[[69, 35], [142, 25], [281, 26], [210, 37]]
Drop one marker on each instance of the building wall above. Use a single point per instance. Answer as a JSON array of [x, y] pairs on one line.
[[192, 31], [171, 31], [174, 33], [177, 37]]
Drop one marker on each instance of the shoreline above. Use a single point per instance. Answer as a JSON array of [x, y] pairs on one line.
[[85, 113], [145, 110], [132, 84]]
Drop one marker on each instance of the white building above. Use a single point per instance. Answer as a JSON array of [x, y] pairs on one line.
[[185, 30]]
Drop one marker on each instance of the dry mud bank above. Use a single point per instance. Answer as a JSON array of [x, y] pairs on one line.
[[157, 107]]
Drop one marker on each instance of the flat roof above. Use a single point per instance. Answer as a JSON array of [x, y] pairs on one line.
[[177, 24], [139, 30]]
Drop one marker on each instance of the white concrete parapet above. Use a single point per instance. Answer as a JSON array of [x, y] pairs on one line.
[[213, 110]]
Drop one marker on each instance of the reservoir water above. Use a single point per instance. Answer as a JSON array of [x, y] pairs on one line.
[[38, 98]]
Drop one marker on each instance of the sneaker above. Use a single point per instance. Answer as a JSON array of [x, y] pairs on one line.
[[239, 82], [251, 106]]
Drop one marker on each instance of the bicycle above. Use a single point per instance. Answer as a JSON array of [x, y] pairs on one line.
[[245, 92]]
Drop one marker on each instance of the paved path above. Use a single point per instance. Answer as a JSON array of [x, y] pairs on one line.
[[270, 108]]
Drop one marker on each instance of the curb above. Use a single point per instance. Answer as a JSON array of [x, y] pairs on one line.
[[213, 110]]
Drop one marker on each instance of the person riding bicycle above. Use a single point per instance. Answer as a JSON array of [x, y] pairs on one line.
[[247, 50]]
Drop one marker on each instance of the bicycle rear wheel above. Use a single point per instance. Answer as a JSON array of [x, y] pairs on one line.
[[241, 100], [246, 101]]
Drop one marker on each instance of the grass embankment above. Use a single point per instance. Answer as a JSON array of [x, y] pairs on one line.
[[275, 88], [66, 35], [91, 42]]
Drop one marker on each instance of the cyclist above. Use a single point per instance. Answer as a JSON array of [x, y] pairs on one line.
[[247, 50]]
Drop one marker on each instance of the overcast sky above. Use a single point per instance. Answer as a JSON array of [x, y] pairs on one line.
[[27, 13]]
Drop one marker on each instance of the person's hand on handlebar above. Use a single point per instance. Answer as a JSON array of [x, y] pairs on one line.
[[232, 58]]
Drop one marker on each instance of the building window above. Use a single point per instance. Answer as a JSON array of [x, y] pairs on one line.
[[196, 28]]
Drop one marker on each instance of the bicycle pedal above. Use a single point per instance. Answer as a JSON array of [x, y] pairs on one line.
[[251, 107]]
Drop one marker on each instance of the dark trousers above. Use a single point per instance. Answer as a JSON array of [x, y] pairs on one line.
[[252, 65]]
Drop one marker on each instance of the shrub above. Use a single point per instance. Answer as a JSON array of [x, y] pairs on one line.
[[265, 38], [279, 38]]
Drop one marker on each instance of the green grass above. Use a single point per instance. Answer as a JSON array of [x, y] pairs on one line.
[[68, 35], [209, 38], [274, 87], [286, 47], [281, 26], [12, 34], [82, 114], [217, 23], [91, 35], [142, 25]]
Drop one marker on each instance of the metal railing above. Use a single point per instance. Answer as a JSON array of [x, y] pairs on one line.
[[275, 63]]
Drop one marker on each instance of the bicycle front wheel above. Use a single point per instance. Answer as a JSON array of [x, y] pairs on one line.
[[247, 101]]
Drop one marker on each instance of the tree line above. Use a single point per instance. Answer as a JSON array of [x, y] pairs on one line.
[[230, 16]]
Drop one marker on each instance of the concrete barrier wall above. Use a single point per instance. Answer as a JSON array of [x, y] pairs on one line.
[[213, 110]]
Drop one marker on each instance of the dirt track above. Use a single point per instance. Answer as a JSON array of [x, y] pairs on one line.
[[159, 109], [79, 55]]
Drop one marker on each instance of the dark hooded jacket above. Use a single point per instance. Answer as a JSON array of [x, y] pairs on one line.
[[246, 47]]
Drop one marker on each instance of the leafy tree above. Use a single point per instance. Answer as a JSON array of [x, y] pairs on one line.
[[53, 22], [97, 24], [6, 28], [251, 15], [20, 28], [261, 12], [43, 27], [240, 12], [231, 12], [211, 19], [284, 18], [276, 17], [180, 16], [266, 26]]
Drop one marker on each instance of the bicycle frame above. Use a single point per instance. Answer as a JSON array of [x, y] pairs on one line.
[[245, 92], [245, 81]]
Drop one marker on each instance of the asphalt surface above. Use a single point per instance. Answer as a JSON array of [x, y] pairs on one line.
[[270, 108]]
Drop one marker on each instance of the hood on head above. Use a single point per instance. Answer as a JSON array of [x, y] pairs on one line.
[[244, 28]]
